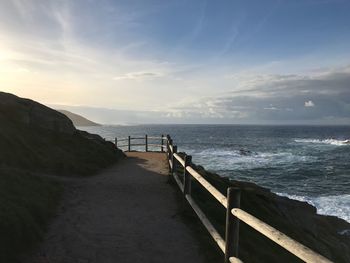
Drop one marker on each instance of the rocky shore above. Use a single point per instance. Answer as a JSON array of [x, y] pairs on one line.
[[299, 220]]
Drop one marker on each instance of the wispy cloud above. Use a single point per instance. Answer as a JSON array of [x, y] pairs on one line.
[[178, 59], [139, 76]]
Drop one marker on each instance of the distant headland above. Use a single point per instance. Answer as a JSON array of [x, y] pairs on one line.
[[78, 120]]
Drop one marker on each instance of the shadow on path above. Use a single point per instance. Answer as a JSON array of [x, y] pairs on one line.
[[127, 213]]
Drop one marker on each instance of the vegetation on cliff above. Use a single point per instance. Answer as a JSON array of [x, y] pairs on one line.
[[27, 202], [36, 140]]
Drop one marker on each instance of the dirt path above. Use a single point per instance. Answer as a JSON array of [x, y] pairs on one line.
[[127, 213]]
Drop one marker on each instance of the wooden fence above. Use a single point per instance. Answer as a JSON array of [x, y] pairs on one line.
[[149, 141], [231, 202]]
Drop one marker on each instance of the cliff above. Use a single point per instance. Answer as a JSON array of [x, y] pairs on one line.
[[36, 141], [36, 138], [298, 220], [78, 120]]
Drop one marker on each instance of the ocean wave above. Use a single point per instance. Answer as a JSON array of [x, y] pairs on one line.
[[238, 160], [334, 205], [325, 141]]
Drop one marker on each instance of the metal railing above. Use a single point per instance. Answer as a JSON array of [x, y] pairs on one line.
[[231, 202]]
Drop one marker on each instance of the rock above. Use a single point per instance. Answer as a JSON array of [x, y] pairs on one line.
[[298, 220], [244, 152], [36, 138], [28, 112], [35, 142]]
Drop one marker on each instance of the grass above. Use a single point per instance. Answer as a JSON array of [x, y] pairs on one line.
[[36, 149], [27, 204], [35, 139]]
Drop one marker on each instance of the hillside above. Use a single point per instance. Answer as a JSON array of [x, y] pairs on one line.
[[77, 119], [37, 138], [35, 143]]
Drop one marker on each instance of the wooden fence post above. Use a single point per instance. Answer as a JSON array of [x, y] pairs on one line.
[[173, 159], [167, 144], [116, 142], [168, 149], [232, 223], [170, 154], [146, 143], [129, 146], [187, 176], [162, 144]]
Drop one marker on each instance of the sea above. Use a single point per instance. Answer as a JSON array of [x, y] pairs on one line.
[[306, 163]]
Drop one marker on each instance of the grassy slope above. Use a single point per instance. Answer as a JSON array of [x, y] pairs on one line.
[[27, 203], [42, 150], [28, 147]]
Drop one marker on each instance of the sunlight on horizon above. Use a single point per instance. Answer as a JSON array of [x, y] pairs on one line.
[[205, 67]]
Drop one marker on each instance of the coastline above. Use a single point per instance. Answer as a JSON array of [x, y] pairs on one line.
[[327, 235], [315, 169], [326, 210]]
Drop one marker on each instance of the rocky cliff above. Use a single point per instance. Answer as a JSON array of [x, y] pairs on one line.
[[326, 235], [36, 141], [37, 138]]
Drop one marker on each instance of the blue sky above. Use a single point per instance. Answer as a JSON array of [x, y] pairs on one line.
[[282, 62]]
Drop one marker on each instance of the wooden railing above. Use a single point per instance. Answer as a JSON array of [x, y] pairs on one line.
[[231, 202], [147, 139]]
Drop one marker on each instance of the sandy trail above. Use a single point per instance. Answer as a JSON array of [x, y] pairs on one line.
[[127, 213]]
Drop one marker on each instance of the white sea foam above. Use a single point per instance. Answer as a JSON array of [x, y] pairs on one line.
[[325, 141], [334, 205], [225, 159]]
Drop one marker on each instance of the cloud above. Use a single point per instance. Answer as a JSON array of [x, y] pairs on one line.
[[271, 107], [139, 75], [309, 103], [49, 54], [143, 57], [277, 99]]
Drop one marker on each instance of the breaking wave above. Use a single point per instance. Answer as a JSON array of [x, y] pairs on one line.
[[325, 141], [218, 159], [334, 205]]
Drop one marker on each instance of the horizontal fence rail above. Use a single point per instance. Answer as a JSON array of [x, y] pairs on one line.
[[129, 146], [211, 229], [278, 237], [211, 189], [228, 245]]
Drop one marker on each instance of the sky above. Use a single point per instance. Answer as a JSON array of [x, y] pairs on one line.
[[229, 62]]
